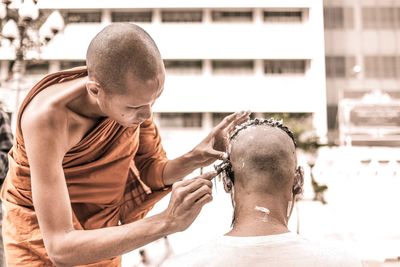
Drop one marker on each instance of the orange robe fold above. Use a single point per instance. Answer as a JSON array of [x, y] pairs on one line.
[[113, 175]]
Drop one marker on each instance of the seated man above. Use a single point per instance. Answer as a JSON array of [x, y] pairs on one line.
[[263, 179]]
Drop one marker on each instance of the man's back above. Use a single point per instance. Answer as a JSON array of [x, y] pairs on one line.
[[282, 250]]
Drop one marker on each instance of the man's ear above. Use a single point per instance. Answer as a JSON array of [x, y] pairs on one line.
[[93, 88], [227, 182], [298, 181]]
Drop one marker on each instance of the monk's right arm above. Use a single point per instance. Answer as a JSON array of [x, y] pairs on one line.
[[46, 141]]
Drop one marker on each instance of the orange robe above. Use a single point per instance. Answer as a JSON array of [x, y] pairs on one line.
[[114, 176]]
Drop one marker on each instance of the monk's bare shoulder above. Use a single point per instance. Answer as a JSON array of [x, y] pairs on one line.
[[47, 123], [48, 114]]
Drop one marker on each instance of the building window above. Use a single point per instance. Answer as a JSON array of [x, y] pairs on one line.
[[285, 66], [83, 17], [184, 66], [217, 117], [283, 16], [393, 93], [338, 18], [133, 16], [182, 16], [332, 116], [369, 17], [388, 17], [358, 94], [348, 94], [232, 66], [72, 64], [372, 69], [180, 120], [37, 67], [382, 67], [380, 18], [339, 66], [389, 66], [232, 16]]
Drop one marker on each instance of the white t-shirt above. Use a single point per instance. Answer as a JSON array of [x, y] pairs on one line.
[[283, 250]]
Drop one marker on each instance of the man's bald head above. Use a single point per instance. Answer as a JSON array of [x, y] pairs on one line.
[[263, 159], [122, 51]]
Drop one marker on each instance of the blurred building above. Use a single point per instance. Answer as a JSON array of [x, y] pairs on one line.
[[268, 56], [220, 56], [362, 39]]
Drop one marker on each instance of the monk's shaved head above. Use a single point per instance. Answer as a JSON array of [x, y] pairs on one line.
[[263, 159], [122, 51]]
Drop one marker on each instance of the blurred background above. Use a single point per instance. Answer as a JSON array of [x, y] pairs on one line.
[[329, 69]]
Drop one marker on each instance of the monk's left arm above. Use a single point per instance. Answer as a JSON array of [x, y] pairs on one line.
[[155, 169], [151, 159], [178, 168]]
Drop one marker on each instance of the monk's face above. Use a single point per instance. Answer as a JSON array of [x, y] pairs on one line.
[[134, 105]]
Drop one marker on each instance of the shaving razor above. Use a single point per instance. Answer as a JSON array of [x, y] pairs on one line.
[[223, 166]]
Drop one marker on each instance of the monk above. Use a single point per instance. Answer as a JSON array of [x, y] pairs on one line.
[[88, 163]]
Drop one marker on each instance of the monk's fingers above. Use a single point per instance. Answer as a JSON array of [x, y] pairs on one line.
[[228, 120], [207, 176], [180, 184], [239, 120], [216, 154], [196, 184], [197, 195], [180, 190], [202, 201], [184, 183]]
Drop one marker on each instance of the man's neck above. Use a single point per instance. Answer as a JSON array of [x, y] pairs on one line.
[[258, 216]]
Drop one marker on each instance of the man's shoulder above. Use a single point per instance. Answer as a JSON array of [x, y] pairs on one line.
[[290, 249], [200, 256], [328, 253]]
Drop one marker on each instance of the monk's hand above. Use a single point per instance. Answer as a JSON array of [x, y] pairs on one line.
[[214, 146], [187, 199]]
